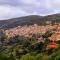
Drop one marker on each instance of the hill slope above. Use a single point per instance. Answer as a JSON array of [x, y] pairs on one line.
[[29, 20]]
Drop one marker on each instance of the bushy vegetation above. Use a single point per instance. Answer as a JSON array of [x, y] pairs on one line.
[[21, 48]]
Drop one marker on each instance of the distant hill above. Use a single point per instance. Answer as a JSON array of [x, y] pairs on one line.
[[29, 20]]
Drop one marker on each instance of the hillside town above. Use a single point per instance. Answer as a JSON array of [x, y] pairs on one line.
[[28, 31]]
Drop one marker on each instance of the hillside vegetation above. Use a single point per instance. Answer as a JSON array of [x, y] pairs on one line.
[[22, 48]]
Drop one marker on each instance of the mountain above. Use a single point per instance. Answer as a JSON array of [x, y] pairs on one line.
[[29, 20]]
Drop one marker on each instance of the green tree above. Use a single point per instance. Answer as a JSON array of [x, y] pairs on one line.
[[27, 57]]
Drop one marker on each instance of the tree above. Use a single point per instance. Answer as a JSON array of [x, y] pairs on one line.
[[4, 37], [27, 57]]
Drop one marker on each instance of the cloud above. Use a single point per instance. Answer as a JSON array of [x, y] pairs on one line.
[[10, 12], [55, 3], [17, 8]]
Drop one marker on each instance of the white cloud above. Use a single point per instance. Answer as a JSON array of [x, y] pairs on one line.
[[55, 3], [7, 12], [10, 12], [16, 8]]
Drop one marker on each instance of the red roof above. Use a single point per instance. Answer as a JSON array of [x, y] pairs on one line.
[[52, 45], [53, 38]]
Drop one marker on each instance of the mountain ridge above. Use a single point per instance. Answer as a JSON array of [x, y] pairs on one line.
[[29, 20]]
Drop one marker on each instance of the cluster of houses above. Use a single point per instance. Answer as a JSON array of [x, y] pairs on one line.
[[28, 31]]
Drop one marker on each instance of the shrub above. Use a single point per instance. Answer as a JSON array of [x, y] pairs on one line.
[[27, 57]]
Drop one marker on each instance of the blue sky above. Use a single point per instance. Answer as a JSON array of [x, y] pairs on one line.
[[17, 8]]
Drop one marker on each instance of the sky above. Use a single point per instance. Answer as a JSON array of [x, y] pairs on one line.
[[18, 8]]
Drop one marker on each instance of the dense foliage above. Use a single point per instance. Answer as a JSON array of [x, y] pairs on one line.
[[21, 48]]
